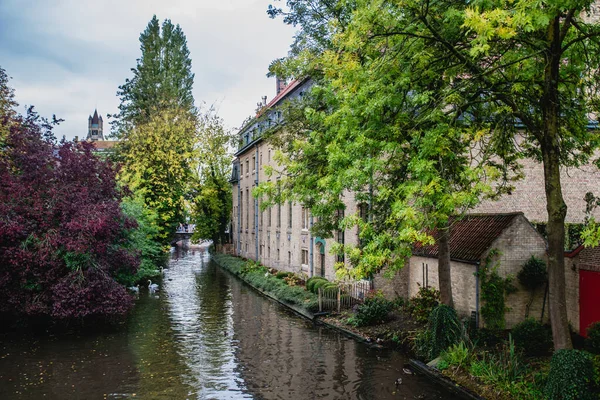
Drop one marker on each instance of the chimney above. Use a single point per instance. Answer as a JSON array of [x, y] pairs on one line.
[[280, 84], [264, 101]]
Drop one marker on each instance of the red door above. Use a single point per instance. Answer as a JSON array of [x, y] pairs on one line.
[[589, 299]]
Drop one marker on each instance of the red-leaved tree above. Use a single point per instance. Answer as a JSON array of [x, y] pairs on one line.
[[63, 236]]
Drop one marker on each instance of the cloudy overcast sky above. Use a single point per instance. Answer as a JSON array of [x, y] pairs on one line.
[[67, 57]]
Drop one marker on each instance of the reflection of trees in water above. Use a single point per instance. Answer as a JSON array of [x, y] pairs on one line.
[[158, 359], [70, 367]]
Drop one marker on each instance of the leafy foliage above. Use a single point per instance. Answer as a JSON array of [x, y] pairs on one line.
[[310, 283], [257, 275], [571, 376], [458, 355], [494, 290], [423, 303], [533, 274], [63, 238], [211, 191], [156, 164], [162, 78], [533, 338], [593, 338], [421, 106], [374, 310], [157, 126]]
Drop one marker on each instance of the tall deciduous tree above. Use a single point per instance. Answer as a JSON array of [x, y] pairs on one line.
[[518, 73], [64, 250], [157, 125], [157, 163], [162, 78], [211, 194]]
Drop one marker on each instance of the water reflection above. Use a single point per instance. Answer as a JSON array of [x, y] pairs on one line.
[[204, 335]]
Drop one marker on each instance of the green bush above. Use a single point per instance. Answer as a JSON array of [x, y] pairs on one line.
[[592, 342], [318, 284], [423, 303], [571, 376], [283, 274], [532, 337], [445, 328], [457, 355], [373, 311], [253, 266], [533, 274], [311, 282]]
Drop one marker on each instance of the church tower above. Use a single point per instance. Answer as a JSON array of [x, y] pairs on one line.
[[95, 130]]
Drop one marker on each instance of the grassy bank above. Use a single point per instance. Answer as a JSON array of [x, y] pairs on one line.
[[286, 287]]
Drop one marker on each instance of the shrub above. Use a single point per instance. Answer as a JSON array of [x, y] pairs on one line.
[[374, 310], [318, 284], [282, 274], [252, 266], [445, 328], [311, 282], [457, 355], [533, 274], [532, 337], [423, 303], [593, 340], [571, 376]]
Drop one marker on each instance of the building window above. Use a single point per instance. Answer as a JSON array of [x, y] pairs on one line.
[[247, 209], [269, 156], [247, 166], [290, 215], [253, 164], [269, 217], [241, 210], [260, 160], [269, 252], [241, 168], [289, 259], [305, 218], [278, 255], [304, 257]]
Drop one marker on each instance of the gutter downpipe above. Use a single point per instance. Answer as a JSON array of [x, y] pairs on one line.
[[239, 212], [310, 249], [256, 204], [477, 295]]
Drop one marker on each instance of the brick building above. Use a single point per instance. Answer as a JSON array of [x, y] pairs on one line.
[[280, 236]]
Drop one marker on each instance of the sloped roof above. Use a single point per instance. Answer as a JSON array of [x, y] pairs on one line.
[[104, 144], [471, 236], [95, 117]]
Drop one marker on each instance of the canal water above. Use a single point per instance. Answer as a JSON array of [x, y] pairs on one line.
[[205, 335]]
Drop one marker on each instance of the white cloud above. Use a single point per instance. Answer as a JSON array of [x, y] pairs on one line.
[[67, 57]]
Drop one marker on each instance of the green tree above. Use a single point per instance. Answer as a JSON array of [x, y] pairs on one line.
[[157, 125], [162, 78], [211, 201], [157, 163], [520, 77]]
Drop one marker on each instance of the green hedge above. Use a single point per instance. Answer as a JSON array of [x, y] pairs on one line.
[[269, 283]]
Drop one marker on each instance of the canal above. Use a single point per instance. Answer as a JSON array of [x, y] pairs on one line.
[[205, 335]]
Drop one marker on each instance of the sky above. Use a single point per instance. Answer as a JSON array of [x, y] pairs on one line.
[[68, 57]]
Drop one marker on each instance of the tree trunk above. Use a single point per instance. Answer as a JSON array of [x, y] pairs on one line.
[[556, 207], [445, 278]]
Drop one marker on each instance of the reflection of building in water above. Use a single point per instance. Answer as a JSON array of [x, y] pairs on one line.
[[282, 358]]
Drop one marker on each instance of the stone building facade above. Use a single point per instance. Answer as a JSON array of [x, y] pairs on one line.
[[279, 237], [472, 240]]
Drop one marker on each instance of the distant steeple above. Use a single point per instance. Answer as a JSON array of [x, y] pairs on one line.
[[95, 127]]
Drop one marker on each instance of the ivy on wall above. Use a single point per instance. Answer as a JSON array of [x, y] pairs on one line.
[[494, 290]]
